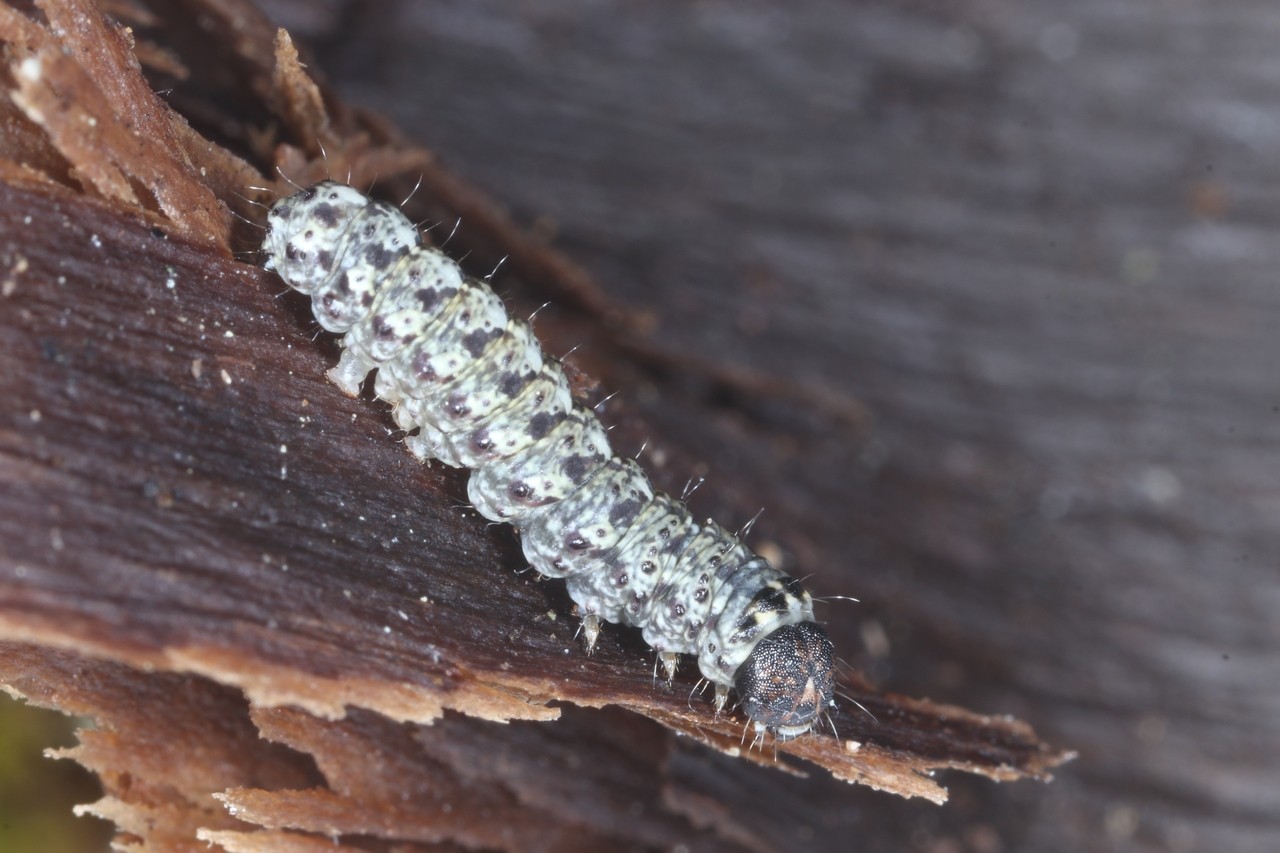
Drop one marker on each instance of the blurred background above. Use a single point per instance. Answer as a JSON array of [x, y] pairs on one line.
[[37, 793]]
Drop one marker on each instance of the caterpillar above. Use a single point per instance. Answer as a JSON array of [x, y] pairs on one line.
[[472, 388]]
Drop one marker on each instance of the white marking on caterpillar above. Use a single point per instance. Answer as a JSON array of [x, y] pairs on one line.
[[473, 388]]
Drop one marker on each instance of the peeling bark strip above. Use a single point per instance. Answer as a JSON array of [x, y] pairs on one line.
[[472, 387]]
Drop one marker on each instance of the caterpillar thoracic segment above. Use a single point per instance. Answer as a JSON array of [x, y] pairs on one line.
[[473, 388]]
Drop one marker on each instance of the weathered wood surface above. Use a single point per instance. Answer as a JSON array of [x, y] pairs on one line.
[[186, 494], [1037, 242]]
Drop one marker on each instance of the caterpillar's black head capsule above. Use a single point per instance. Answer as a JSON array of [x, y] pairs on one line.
[[787, 680]]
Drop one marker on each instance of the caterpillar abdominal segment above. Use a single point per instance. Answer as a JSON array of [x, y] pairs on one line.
[[474, 389]]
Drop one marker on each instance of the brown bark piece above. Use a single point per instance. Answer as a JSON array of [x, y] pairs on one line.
[[300, 101], [162, 744], [79, 81], [275, 841], [188, 496]]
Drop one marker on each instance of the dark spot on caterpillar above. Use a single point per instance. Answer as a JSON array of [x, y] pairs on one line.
[[624, 511], [326, 215], [456, 405], [379, 256], [428, 298], [576, 468], [747, 627], [770, 599], [511, 384], [479, 339], [541, 424], [422, 368]]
